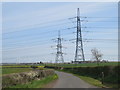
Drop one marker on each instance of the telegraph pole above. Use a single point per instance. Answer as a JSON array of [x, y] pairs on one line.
[[79, 53]]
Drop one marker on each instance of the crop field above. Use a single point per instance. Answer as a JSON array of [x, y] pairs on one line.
[[8, 69], [86, 64], [14, 70], [24, 66]]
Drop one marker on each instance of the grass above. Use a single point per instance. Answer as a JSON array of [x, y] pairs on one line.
[[24, 66], [14, 70], [89, 80], [17, 70], [93, 81], [66, 65], [96, 82], [8, 69], [85, 64], [37, 83]]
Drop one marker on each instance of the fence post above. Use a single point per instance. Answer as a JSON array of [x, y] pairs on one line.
[[102, 77]]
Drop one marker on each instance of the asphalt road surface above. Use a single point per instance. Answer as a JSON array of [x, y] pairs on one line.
[[67, 80]]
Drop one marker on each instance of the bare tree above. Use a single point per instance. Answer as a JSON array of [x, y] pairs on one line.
[[96, 55]]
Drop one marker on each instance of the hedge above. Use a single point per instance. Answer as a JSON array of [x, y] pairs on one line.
[[111, 73]]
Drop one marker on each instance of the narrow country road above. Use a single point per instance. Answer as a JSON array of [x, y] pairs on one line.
[[67, 80]]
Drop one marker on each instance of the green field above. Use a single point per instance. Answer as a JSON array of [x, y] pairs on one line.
[[8, 69], [85, 64], [14, 70], [21, 66]]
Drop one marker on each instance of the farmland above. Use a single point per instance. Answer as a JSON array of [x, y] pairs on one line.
[[82, 70], [14, 70], [86, 64], [78, 41], [19, 76], [91, 72], [8, 69]]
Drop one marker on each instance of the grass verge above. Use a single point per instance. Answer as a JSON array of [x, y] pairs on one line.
[[93, 81], [37, 83], [96, 82]]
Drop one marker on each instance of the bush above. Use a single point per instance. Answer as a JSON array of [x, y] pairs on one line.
[[111, 73], [34, 67], [24, 77]]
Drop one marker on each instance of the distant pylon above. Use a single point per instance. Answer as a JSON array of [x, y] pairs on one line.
[[79, 53], [59, 54]]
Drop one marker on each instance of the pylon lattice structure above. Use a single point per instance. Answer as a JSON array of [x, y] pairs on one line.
[[79, 53], [59, 54]]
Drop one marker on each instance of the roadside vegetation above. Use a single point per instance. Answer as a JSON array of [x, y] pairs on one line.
[[89, 80], [26, 76], [102, 76], [86, 64], [37, 83], [96, 82]]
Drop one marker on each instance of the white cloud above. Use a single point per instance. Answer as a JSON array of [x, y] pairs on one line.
[[59, 12], [49, 14]]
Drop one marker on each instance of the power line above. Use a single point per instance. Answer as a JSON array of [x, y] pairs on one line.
[[92, 17], [30, 40], [49, 22], [101, 17], [46, 32], [44, 27], [84, 40], [56, 24]]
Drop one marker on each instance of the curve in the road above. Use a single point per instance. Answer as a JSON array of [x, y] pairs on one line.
[[67, 80]]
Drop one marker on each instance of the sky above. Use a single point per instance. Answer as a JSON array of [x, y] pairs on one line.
[[29, 27]]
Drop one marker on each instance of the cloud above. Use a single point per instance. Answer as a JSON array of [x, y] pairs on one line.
[[48, 14], [42, 52]]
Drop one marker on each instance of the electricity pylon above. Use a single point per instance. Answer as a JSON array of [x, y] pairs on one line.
[[59, 53], [79, 53]]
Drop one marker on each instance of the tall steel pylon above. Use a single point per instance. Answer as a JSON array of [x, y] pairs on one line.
[[79, 53], [59, 54]]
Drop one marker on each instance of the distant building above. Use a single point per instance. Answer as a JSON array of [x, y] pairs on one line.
[[76, 62]]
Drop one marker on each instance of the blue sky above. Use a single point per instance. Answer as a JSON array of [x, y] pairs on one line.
[[29, 27]]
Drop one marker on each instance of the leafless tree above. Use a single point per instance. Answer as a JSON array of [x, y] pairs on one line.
[[96, 55]]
